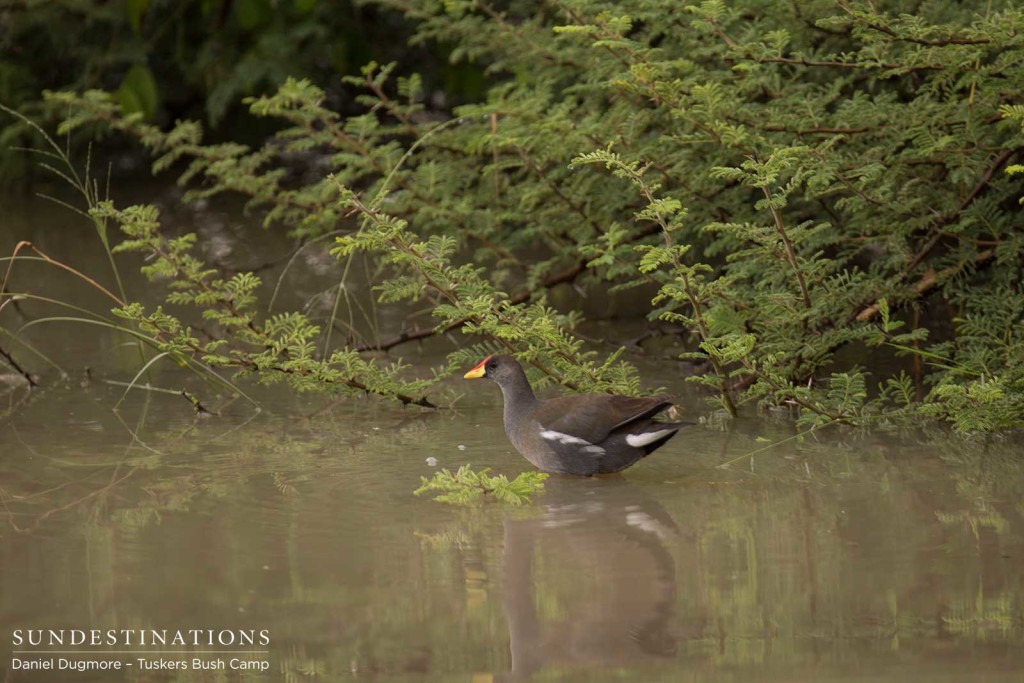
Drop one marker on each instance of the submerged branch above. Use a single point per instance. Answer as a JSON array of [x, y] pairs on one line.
[[17, 368]]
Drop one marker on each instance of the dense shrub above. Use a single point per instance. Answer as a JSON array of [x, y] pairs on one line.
[[795, 180]]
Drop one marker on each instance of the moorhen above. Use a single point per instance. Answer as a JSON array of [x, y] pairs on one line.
[[583, 434]]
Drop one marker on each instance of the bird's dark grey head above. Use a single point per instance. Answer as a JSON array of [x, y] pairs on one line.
[[502, 369], [507, 374]]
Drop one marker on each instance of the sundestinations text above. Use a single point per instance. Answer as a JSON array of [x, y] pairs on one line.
[[106, 637]]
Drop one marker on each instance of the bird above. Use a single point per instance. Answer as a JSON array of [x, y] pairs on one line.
[[581, 434]]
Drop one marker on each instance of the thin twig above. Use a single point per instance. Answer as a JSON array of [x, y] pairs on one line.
[[17, 368], [54, 262], [780, 228]]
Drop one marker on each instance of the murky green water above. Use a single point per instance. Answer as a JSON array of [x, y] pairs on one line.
[[866, 560], [838, 558]]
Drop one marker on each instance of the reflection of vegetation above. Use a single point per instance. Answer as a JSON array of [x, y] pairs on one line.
[[467, 486], [984, 618], [833, 551]]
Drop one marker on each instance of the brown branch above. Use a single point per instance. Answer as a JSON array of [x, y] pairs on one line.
[[546, 179], [567, 275], [820, 130], [928, 282], [803, 61], [942, 42], [780, 228], [849, 185], [891, 32], [607, 35], [944, 220], [796, 400], [350, 382], [705, 333], [389, 105], [182, 275], [251, 366], [519, 38]]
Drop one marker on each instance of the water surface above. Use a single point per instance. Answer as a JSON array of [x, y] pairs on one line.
[[858, 558], [841, 556]]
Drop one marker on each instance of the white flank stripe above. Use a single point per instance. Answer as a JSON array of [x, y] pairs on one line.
[[641, 440], [567, 439]]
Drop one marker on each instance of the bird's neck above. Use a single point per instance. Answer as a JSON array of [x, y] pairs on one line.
[[517, 394]]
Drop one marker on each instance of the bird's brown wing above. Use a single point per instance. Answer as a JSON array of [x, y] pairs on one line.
[[592, 417]]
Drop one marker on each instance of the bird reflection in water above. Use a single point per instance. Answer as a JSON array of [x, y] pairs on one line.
[[599, 553]]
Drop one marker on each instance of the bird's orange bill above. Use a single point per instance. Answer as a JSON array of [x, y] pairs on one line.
[[478, 371]]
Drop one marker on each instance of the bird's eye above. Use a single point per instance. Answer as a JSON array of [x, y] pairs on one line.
[[492, 365]]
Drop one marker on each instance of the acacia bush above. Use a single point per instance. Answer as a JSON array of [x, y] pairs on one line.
[[794, 180]]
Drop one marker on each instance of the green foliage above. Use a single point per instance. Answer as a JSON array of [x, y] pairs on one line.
[[467, 486], [464, 297], [138, 92], [802, 189], [281, 347], [981, 388]]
